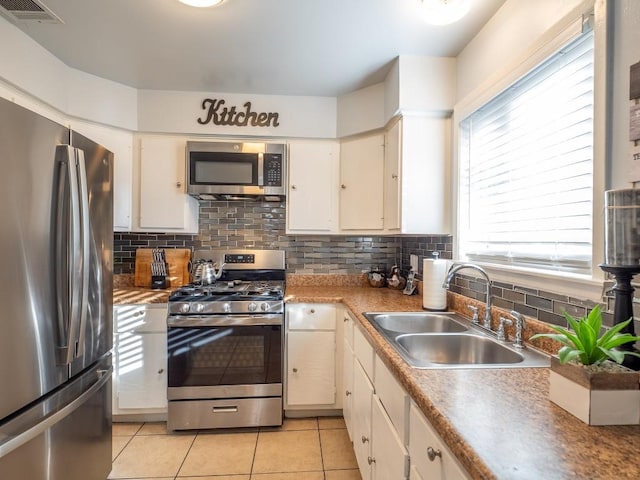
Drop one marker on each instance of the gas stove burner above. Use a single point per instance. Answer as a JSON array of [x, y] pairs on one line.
[[229, 291]]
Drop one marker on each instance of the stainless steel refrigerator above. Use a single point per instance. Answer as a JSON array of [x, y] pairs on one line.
[[56, 244]]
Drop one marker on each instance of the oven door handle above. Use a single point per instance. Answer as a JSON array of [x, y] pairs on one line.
[[224, 320]]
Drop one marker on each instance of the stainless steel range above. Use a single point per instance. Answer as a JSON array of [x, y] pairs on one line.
[[225, 344]]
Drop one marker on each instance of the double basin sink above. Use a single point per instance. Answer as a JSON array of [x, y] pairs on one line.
[[448, 340]]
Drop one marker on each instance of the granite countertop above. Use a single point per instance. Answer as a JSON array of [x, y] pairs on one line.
[[130, 295], [498, 422]]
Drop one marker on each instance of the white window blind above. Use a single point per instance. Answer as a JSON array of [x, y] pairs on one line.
[[526, 168]]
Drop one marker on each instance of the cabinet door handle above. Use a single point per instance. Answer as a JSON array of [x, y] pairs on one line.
[[293, 187], [394, 176], [178, 184], [295, 370], [347, 393], [364, 439], [312, 311], [161, 371], [371, 460], [432, 454], [343, 186]]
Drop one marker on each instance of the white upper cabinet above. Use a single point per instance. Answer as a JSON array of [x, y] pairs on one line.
[[162, 201], [361, 174], [391, 182], [416, 191], [120, 143], [312, 197]]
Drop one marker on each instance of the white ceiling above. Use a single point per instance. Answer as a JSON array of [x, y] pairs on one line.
[[282, 47]]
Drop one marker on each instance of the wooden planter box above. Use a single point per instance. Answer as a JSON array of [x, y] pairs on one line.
[[596, 397]]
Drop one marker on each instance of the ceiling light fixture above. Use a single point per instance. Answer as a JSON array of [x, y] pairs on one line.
[[201, 3], [444, 12]]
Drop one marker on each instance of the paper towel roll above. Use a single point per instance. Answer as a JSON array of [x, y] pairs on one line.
[[434, 272]]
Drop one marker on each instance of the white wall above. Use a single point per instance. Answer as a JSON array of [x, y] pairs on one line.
[[178, 112], [508, 35], [362, 110], [29, 68], [427, 84], [625, 52]]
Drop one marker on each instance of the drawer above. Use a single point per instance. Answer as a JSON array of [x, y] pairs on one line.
[[394, 398], [312, 317], [363, 351], [140, 318], [349, 323], [227, 413]]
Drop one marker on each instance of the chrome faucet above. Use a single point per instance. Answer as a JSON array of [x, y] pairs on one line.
[[459, 266], [520, 325]]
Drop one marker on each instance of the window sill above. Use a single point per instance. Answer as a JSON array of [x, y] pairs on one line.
[[581, 287]]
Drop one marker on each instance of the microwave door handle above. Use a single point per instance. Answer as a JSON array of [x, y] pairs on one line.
[[67, 250], [85, 247], [260, 169]]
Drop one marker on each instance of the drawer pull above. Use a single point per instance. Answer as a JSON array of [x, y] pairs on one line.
[[371, 460], [295, 370], [347, 393], [231, 409], [432, 454], [312, 310], [364, 439]]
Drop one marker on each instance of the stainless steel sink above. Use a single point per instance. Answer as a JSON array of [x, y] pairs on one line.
[[416, 322], [447, 340], [456, 350]]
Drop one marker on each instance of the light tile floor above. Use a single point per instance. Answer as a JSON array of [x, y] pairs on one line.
[[302, 449]]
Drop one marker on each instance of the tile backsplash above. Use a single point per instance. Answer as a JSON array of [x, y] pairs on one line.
[[225, 224], [262, 225]]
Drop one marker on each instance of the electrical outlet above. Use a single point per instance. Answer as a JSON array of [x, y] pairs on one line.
[[413, 261]]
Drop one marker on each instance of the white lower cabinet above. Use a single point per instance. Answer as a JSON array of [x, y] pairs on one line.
[[392, 439], [311, 373], [347, 383], [361, 419], [390, 458], [313, 357], [140, 359], [430, 458], [379, 448]]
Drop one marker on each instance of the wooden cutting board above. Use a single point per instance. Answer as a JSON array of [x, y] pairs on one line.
[[178, 266]]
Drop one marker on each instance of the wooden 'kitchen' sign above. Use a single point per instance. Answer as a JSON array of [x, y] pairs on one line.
[[218, 114]]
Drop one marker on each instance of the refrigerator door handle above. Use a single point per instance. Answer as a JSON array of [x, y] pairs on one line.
[[69, 274], [85, 246], [10, 443]]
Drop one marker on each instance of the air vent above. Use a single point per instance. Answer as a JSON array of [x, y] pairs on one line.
[[28, 10]]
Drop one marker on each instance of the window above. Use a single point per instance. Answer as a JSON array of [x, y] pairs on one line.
[[526, 168]]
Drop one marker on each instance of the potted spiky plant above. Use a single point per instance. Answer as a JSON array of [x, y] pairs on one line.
[[586, 377]]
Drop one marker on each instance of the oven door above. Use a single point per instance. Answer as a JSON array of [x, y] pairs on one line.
[[224, 357]]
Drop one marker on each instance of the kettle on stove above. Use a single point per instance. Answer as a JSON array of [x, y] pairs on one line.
[[204, 272]]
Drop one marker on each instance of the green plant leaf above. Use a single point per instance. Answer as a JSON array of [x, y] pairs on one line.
[[618, 340], [585, 343], [566, 354], [615, 355], [575, 325], [613, 331], [595, 318]]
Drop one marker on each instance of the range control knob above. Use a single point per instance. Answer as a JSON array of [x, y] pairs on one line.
[[264, 306], [199, 307], [226, 307], [252, 307], [184, 308]]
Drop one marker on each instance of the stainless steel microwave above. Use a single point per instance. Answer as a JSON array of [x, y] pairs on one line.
[[236, 170]]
